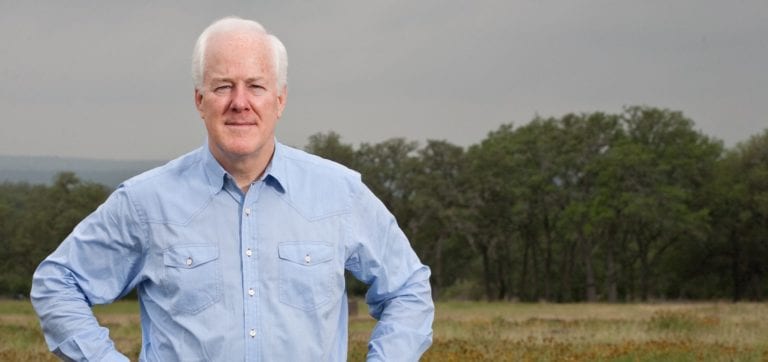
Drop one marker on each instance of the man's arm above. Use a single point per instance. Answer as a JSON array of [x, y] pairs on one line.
[[399, 294], [97, 263]]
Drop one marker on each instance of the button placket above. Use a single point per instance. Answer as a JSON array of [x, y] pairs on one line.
[[249, 252]]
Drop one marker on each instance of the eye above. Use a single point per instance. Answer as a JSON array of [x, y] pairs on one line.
[[257, 89], [222, 87]]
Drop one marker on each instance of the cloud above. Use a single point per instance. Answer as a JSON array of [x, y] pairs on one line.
[[97, 79]]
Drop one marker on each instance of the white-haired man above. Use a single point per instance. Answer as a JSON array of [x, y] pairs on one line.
[[238, 249]]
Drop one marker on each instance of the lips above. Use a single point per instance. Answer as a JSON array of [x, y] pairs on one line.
[[239, 123]]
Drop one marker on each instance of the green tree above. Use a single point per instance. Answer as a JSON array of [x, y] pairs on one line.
[[388, 169], [491, 207], [35, 219], [664, 166], [438, 225], [585, 222], [329, 145], [738, 245]]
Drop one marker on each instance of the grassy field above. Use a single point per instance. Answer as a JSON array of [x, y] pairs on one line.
[[466, 331]]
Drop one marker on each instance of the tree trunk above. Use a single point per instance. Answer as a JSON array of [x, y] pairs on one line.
[[523, 284], [502, 281], [502, 260], [738, 288], [610, 274], [438, 268], [565, 274], [589, 274], [644, 276], [547, 260], [486, 273], [535, 276]]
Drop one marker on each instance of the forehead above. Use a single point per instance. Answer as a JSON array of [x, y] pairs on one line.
[[233, 54]]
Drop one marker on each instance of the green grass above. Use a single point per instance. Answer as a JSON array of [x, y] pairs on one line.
[[15, 307], [470, 331]]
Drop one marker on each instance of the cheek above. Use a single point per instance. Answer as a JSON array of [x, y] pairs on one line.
[[212, 109], [208, 124], [269, 105]]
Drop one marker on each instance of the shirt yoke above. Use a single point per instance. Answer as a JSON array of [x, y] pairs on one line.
[[316, 187], [172, 193]]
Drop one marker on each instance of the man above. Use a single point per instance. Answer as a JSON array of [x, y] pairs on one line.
[[237, 250]]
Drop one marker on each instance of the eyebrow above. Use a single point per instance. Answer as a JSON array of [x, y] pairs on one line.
[[230, 80]]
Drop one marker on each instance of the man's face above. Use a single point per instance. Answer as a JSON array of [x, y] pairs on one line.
[[239, 100]]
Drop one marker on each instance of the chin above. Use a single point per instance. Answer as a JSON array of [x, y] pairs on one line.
[[243, 150]]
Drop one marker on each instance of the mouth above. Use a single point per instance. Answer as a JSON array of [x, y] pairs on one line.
[[239, 124]]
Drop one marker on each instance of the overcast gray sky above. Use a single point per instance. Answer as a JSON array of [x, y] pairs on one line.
[[111, 79]]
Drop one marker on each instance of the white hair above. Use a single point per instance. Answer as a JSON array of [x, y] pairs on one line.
[[232, 23]]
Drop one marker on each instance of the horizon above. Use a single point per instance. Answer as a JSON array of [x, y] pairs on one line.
[[356, 145]]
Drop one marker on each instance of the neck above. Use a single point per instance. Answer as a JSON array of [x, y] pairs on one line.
[[245, 169]]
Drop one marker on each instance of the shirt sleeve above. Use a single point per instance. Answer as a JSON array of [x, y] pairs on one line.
[[96, 264], [399, 294]]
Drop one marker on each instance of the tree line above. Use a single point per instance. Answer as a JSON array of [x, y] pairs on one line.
[[595, 206]]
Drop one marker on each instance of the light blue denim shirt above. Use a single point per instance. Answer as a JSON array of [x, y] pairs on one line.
[[227, 276]]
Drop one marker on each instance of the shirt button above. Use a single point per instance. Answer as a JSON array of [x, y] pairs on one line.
[[189, 261], [307, 259], [252, 333], [248, 211], [251, 292], [248, 252]]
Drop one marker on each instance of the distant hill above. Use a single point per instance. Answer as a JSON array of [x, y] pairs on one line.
[[42, 170]]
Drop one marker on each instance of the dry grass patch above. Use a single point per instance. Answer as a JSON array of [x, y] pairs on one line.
[[467, 331]]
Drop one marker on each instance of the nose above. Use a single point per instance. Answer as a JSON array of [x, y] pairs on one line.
[[239, 101]]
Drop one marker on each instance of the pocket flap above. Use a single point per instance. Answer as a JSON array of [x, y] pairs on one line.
[[190, 256], [305, 253]]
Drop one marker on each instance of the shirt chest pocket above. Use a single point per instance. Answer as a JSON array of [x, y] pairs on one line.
[[192, 277], [306, 272]]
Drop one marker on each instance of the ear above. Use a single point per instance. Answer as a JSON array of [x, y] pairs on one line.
[[199, 101], [281, 99]]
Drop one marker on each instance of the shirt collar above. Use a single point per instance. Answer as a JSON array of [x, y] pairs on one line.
[[275, 174], [213, 170]]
